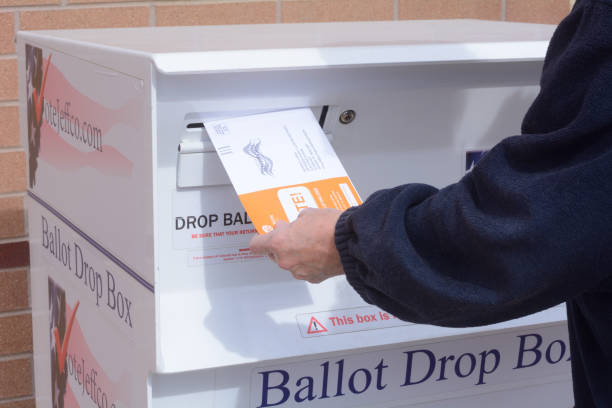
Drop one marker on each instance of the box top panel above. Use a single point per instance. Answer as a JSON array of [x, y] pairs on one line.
[[159, 40], [230, 48]]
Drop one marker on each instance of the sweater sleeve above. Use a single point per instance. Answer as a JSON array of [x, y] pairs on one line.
[[529, 227]]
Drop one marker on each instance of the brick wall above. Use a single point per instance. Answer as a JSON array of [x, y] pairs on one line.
[[16, 387]]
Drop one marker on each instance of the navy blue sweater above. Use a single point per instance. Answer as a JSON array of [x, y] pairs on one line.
[[528, 228]]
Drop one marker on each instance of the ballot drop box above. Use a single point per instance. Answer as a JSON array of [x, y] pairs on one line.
[[144, 291]]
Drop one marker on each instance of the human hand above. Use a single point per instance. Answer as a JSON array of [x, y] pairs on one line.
[[304, 247]]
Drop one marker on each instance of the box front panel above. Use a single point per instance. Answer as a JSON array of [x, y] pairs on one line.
[[219, 306], [527, 367]]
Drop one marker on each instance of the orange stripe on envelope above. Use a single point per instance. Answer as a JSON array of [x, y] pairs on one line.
[[267, 207]]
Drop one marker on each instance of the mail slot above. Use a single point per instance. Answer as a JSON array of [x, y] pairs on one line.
[[144, 290]]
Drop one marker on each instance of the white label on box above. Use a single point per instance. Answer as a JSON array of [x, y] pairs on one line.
[[413, 373], [210, 218], [346, 321]]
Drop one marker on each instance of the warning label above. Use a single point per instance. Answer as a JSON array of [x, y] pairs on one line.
[[315, 326], [346, 321]]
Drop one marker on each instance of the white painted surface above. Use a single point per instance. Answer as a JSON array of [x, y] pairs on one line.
[[292, 46]]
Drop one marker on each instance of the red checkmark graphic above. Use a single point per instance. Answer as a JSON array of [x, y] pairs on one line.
[[38, 99], [62, 348]]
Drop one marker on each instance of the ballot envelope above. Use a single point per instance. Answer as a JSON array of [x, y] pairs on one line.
[[144, 290]]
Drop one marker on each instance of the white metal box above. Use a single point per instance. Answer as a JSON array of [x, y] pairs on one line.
[[144, 293]]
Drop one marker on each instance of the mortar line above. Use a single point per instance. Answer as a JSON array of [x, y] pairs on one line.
[[12, 194], [12, 357], [15, 269], [17, 399], [21, 312], [16, 25], [152, 15], [11, 149], [14, 240]]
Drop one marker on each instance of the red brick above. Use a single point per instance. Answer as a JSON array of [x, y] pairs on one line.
[[448, 9], [14, 255], [13, 290], [85, 18], [537, 11], [8, 79], [13, 170], [7, 33], [301, 11], [217, 13], [12, 217], [101, 1], [9, 126], [27, 2], [15, 378], [16, 334]]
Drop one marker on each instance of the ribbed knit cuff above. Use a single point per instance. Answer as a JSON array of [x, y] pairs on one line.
[[343, 236]]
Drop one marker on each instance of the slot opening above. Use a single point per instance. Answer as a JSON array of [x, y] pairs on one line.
[[323, 115]]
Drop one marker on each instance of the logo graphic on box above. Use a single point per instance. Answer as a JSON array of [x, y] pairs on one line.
[[57, 330], [77, 378], [67, 128], [34, 73]]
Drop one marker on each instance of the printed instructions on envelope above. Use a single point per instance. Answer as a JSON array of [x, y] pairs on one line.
[[280, 163]]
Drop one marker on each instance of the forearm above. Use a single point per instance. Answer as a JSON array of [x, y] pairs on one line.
[[502, 243]]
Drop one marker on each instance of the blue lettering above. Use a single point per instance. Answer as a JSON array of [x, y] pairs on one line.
[[281, 387], [561, 352], [409, 361], [443, 362], [472, 365], [325, 366], [45, 230], [368, 381], [483, 364], [535, 350], [340, 364], [78, 260], [308, 387], [379, 370]]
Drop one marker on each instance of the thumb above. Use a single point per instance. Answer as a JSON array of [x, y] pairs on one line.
[[260, 243]]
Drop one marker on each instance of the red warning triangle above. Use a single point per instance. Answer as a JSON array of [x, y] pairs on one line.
[[315, 326]]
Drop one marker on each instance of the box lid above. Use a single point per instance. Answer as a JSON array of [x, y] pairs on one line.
[[198, 49]]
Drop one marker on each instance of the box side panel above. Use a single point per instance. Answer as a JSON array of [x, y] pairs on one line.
[[93, 324], [87, 129]]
